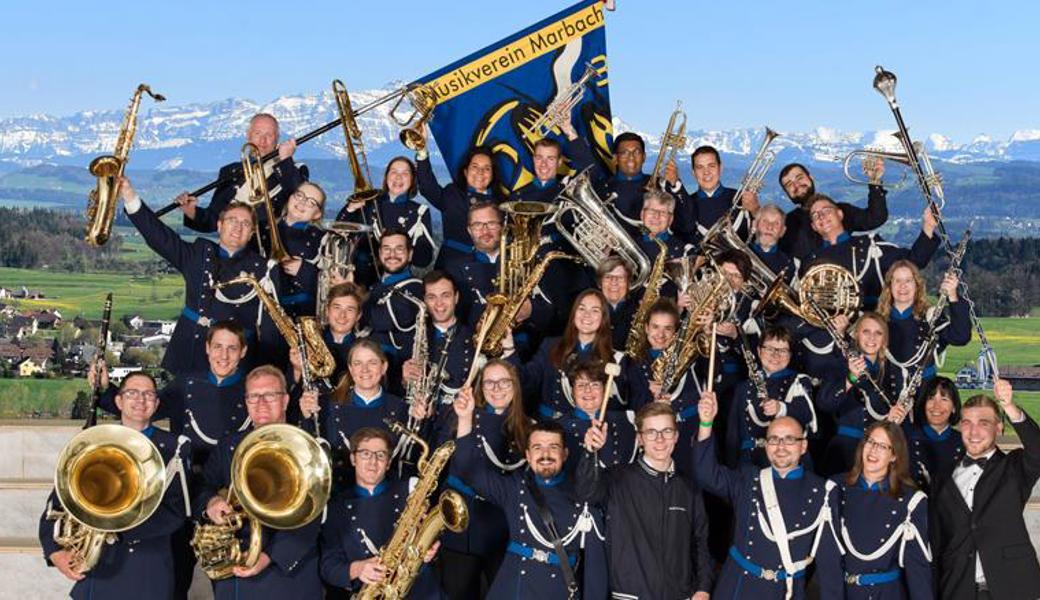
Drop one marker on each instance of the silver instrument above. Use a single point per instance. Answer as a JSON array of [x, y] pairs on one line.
[[559, 110]]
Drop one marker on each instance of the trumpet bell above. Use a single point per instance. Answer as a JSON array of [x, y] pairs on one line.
[[110, 478], [894, 161], [281, 476]]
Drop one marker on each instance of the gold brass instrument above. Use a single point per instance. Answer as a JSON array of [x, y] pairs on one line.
[[584, 220], [418, 526], [519, 273], [280, 478], [833, 289], [897, 158], [363, 190], [256, 182], [423, 101], [108, 168], [559, 110], [109, 478], [710, 296], [635, 343], [319, 358], [673, 140], [336, 258], [752, 183]]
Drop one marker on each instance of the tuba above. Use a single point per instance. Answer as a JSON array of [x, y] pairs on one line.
[[256, 182], [336, 258], [672, 141], [585, 222], [108, 168], [109, 478], [519, 273], [559, 110], [280, 478], [320, 360], [418, 526]]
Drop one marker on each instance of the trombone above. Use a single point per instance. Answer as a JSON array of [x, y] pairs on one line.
[[256, 183], [865, 154], [672, 140]]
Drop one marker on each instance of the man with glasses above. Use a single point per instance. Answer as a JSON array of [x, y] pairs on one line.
[[203, 263], [588, 380], [767, 229], [476, 277], [787, 393], [657, 529], [799, 238], [283, 177], [389, 316], [288, 564], [656, 218], [784, 515], [137, 564], [362, 520], [550, 529], [867, 256]]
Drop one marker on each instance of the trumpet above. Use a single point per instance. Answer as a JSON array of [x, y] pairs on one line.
[[256, 182], [865, 155], [559, 110], [672, 141], [108, 168]]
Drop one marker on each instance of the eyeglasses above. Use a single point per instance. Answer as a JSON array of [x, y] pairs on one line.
[[657, 212], [629, 153], [787, 440], [882, 446], [659, 434], [776, 351], [615, 278], [821, 212], [482, 225], [312, 201], [588, 385], [236, 222], [378, 455], [497, 384], [133, 395], [267, 397]]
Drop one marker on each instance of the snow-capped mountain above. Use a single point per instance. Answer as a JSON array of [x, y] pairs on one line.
[[203, 136]]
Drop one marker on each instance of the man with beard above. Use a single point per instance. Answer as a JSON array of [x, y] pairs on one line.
[[657, 530], [204, 263], [550, 530], [283, 177], [783, 515], [799, 238], [288, 563], [389, 316]]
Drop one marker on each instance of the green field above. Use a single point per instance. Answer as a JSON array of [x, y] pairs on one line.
[[84, 293], [51, 397], [1016, 341]]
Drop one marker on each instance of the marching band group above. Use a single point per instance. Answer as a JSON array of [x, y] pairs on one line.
[[663, 432]]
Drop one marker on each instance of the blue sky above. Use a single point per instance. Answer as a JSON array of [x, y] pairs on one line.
[[964, 68]]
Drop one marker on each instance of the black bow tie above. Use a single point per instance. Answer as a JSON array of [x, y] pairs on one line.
[[968, 461]]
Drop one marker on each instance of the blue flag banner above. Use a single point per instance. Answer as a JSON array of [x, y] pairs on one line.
[[491, 97]]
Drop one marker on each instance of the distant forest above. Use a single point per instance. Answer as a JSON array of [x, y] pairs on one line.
[[1003, 274]]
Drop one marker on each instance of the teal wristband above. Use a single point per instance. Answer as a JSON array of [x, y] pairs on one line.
[[708, 424], [853, 379]]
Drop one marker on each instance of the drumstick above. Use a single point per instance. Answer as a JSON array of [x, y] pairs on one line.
[[711, 359], [612, 370]]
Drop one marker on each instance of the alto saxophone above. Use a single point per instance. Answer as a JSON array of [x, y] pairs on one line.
[[636, 342], [319, 358], [108, 168], [418, 527]]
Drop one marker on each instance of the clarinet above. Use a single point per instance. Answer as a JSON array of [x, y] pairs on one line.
[[305, 375], [102, 347], [909, 392], [843, 345], [438, 374]]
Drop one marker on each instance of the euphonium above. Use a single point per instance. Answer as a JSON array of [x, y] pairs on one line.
[[336, 258], [320, 359], [109, 478], [559, 110], [256, 183], [589, 226], [280, 478], [108, 168], [636, 341], [418, 527], [673, 140]]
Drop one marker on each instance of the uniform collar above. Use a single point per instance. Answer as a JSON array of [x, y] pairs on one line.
[[880, 486], [551, 482], [901, 315], [786, 371], [871, 365], [223, 252], [392, 278], [795, 473], [542, 185], [703, 194], [484, 258], [664, 236], [398, 199], [228, 381], [148, 431], [581, 415], [582, 348], [361, 492], [348, 339], [842, 238], [758, 248], [360, 401], [472, 190], [654, 354], [622, 177], [936, 436], [301, 226]]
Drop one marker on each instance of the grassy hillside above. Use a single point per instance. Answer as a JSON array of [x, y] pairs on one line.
[[160, 297]]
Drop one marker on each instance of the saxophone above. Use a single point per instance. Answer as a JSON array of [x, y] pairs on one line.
[[320, 361], [710, 295], [418, 390], [418, 527], [108, 168], [636, 342]]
